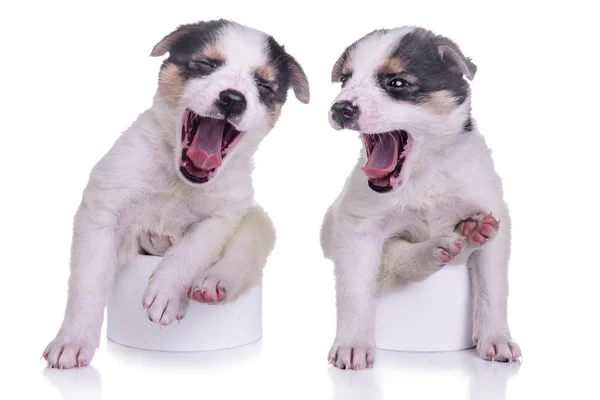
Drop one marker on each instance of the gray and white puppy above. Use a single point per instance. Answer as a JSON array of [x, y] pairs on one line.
[[177, 183], [423, 192]]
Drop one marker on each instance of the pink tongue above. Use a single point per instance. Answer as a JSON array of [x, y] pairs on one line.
[[205, 150], [383, 157]]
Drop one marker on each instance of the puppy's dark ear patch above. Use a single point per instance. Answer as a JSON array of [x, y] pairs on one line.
[[287, 73], [162, 47], [299, 81], [455, 59], [199, 34]]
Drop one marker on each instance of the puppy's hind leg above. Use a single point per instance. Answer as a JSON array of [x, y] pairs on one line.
[[403, 262], [478, 229], [242, 263], [155, 244]]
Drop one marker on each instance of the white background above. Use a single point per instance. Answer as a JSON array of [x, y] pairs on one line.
[[73, 76]]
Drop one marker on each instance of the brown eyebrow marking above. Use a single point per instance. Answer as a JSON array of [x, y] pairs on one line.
[[392, 66], [214, 52], [265, 73]]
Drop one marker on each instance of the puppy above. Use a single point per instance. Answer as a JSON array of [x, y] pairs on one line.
[[423, 191], [177, 183]]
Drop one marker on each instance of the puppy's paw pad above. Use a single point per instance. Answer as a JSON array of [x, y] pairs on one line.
[[165, 301], [67, 351], [499, 349], [446, 247], [480, 228], [209, 291], [347, 356]]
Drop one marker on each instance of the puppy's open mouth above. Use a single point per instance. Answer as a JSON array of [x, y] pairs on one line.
[[386, 154], [205, 142]]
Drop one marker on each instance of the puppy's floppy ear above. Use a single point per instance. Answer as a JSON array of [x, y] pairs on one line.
[[168, 41], [336, 72], [299, 81], [455, 59]]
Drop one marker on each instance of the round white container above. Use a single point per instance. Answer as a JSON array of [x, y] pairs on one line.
[[432, 315], [204, 327]]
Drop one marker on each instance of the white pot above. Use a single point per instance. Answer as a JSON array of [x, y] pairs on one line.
[[432, 315], [205, 327]]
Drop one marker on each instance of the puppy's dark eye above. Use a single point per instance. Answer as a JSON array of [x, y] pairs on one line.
[[397, 83], [202, 65], [344, 79]]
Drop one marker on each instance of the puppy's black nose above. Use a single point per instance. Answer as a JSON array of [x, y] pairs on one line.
[[231, 102], [344, 112]]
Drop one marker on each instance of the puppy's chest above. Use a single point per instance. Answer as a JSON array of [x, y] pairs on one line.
[[166, 213], [414, 224]]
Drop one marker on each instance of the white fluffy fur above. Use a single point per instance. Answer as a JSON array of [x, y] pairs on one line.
[[379, 241], [220, 235]]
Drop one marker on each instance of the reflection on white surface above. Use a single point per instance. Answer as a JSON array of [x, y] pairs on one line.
[[257, 371], [350, 385], [76, 384], [449, 372], [156, 370]]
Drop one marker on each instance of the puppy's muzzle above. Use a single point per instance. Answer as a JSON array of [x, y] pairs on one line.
[[231, 103], [344, 113]]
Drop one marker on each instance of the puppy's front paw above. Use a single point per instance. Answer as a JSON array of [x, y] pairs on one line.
[[212, 288], [479, 229], [165, 300], [70, 351], [501, 349], [352, 355], [446, 247]]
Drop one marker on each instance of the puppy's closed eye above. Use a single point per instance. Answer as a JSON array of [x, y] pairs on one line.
[[268, 87], [204, 66], [201, 65]]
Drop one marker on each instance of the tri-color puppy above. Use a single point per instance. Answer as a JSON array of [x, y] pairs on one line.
[[423, 192], [178, 183]]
